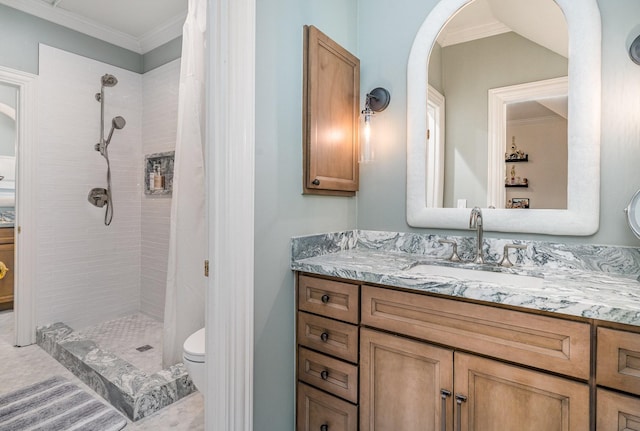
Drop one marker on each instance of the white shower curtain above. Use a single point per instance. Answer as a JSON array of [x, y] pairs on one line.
[[185, 296]]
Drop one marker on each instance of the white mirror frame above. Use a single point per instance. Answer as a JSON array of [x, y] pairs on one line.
[[582, 215]]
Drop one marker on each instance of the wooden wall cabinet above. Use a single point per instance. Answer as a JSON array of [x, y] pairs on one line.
[[6, 258], [331, 112]]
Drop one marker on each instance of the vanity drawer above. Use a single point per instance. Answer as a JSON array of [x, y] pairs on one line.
[[329, 298], [330, 374], [328, 336], [616, 412], [543, 342], [618, 360], [320, 411]]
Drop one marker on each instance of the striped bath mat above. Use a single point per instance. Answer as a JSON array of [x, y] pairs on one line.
[[56, 404]]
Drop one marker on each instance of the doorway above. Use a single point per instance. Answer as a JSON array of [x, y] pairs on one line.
[[24, 225]]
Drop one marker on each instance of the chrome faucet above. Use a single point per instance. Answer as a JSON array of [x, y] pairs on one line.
[[475, 222]]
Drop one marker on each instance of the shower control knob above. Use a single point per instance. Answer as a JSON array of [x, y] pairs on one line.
[[316, 182]]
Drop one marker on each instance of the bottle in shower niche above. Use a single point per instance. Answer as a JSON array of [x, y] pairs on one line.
[[152, 177], [158, 179]]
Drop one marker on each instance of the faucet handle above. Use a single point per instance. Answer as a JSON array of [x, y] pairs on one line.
[[505, 256], [454, 256]]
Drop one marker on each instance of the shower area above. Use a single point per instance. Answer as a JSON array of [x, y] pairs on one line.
[[103, 248]]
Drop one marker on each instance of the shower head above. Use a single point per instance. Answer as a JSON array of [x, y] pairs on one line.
[[109, 80], [117, 123]]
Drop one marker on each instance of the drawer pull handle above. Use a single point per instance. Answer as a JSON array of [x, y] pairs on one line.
[[3, 270], [443, 411], [316, 182], [324, 375], [325, 298], [324, 336], [324, 427], [459, 400]]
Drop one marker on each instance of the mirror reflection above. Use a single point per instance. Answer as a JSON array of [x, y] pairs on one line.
[[508, 47], [8, 137]]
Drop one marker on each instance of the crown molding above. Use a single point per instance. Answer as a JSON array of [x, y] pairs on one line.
[[162, 34], [473, 33], [145, 43]]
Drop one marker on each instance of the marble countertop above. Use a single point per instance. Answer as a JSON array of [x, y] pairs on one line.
[[576, 292]]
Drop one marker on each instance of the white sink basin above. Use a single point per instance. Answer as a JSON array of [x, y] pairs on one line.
[[465, 274]]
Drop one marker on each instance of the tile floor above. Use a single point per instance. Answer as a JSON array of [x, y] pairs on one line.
[[22, 366]]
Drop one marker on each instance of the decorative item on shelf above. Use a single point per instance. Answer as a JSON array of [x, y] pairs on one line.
[[377, 101], [514, 181], [518, 203], [515, 155], [158, 179]]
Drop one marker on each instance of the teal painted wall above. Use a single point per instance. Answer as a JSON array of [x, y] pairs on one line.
[[384, 55], [281, 211], [162, 55], [20, 34]]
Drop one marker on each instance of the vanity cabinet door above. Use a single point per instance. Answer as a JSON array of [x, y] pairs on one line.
[[401, 382], [501, 397], [617, 412]]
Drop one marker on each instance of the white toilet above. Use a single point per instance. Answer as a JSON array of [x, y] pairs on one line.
[[193, 356]]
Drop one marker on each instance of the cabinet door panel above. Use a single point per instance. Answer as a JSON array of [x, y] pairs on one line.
[[617, 412], [505, 397], [400, 383]]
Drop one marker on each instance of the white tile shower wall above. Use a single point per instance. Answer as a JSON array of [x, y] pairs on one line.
[[159, 125], [87, 272]]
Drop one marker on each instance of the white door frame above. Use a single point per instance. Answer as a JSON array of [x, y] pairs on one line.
[[498, 99], [25, 226], [230, 158]]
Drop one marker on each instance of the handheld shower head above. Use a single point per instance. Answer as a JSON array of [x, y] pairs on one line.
[[108, 80], [117, 123]]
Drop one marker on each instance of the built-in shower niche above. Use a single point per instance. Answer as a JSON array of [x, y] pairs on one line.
[[158, 173]]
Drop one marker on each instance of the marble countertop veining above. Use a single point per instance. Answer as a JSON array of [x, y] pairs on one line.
[[576, 292]]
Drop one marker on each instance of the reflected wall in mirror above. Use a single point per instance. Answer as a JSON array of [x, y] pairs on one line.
[[8, 142], [488, 45], [473, 177]]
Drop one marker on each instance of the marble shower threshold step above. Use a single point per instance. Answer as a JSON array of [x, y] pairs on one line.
[[129, 389]]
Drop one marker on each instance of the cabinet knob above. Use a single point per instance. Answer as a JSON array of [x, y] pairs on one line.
[[3, 270], [324, 336], [324, 375], [325, 298], [316, 182], [324, 427]]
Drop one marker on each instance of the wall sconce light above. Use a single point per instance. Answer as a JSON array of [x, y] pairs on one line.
[[634, 50], [377, 101]]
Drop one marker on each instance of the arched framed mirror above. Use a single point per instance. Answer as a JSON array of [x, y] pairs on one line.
[[581, 216]]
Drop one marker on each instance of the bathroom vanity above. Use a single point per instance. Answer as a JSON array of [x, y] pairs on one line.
[[386, 342]]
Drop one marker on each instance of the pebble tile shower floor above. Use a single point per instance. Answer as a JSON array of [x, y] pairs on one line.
[[123, 336], [22, 366]]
